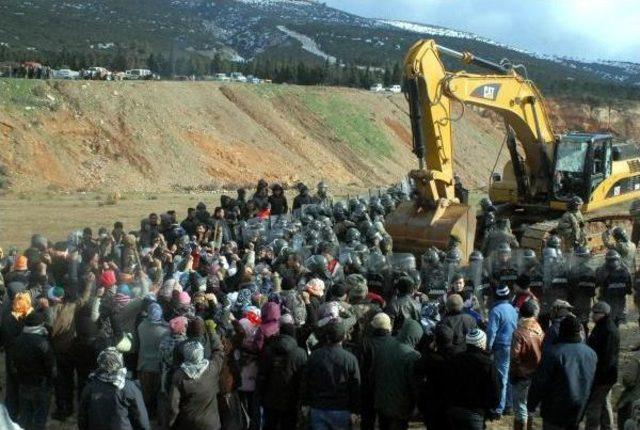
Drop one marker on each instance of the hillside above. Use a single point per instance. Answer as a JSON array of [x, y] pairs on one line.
[[165, 34], [158, 136]]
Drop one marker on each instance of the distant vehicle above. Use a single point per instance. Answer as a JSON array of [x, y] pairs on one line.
[[238, 77], [96, 73], [139, 74], [256, 81], [395, 89], [65, 74], [377, 88], [222, 77]]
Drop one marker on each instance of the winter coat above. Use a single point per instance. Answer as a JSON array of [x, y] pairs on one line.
[[394, 366], [149, 336], [605, 341], [63, 330], [193, 403], [526, 349], [104, 407], [562, 384], [457, 324], [279, 205], [473, 382], [332, 380], [503, 320], [33, 357], [279, 374], [402, 308]]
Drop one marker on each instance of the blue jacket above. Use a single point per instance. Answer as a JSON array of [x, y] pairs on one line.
[[503, 320], [562, 383]]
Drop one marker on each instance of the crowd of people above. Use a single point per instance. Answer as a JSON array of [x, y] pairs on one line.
[[264, 316]]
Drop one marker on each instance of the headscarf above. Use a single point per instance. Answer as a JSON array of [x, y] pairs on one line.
[[154, 313], [107, 279], [178, 325], [194, 363], [315, 287], [111, 368], [21, 305]]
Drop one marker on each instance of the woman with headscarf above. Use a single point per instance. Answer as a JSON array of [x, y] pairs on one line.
[[194, 390], [150, 333], [168, 345], [109, 400]]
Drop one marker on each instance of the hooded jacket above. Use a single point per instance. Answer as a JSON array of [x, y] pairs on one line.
[[562, 384], [280, 372], [605, 341], [459, 324], [526, 349], [394, 366]]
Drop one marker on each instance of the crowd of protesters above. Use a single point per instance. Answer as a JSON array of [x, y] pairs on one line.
[[262, 315]]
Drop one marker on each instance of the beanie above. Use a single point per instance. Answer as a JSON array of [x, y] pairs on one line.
[[529, 309], [502, 292], [178, 325], [381, 322], [184, 298], [477, 338], [454, 303], [107, 279], [20, 263], [124, 289]]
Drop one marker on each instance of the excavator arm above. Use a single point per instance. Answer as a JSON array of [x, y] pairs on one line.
[[431, 89]]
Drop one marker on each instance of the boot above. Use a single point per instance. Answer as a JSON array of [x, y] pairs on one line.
[[518, 425]]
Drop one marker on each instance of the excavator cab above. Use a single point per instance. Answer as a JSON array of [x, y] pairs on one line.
[[582, 163]]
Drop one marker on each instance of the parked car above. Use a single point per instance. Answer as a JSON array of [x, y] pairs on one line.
[[238, 77], [139, 74], [256, 81], [96, 73], [395, 89], [377, 88], [222, 77], [65, 74]]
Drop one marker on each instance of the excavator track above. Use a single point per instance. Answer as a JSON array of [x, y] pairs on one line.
[[534, 236]]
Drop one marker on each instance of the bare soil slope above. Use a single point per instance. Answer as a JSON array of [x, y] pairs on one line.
[[159, 136]]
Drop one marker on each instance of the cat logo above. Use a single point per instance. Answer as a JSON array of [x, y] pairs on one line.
[[487, 92]]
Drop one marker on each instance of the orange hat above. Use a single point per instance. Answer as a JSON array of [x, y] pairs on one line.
[[21, 306], [20, 263]]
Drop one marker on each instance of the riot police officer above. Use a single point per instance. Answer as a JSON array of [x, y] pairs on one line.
[[614, 283], [618, 239], [582, 285], [571, 225]]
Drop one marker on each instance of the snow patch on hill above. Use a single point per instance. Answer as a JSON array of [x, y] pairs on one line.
[[308, 44]]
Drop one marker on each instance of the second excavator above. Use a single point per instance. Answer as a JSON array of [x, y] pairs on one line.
[[545, 169]]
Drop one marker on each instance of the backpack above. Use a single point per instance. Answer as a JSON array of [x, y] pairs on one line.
[[293, 304]]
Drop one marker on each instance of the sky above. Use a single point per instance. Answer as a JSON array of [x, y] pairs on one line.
[[589, 29]]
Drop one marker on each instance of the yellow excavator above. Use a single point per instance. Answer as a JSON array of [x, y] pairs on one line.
[[545, 170]]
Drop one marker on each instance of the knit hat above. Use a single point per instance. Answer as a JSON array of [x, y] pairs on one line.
[[107, 279], [315, 287], [20, 263], [381, 321], [329, 312], [124, 289], [502, 292], [529, 309], [34, 319], [55, 293], [454, 303], [357, 287], [184, 298], [477, 338], [601, 308], [178, 325]]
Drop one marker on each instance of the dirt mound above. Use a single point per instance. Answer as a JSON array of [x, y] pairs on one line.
[[160, 136]]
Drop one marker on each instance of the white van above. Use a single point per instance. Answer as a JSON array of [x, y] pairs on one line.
[[396, 89]]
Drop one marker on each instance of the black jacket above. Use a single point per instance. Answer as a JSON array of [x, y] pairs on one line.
[[473, 382], [33, 358], [459, 324], [280, 372], [104, 407], [279, 205], [332, 380], [605, 341]]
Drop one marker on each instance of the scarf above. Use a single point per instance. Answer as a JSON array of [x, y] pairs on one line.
[[110, 368], [38, 329], [194, 362]]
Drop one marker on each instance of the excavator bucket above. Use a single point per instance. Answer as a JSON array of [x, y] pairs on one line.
[[416, 230]]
